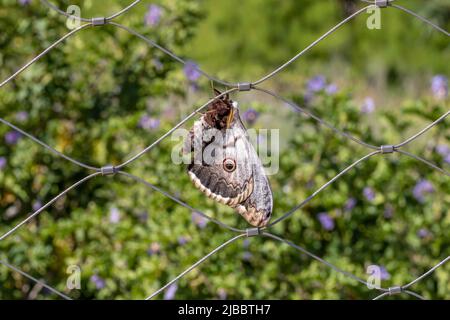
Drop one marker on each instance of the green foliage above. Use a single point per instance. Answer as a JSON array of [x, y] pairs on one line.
[[403, 54], [86, 99]]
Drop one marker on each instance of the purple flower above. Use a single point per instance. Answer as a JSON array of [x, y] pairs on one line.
[[155, 248], [326, 221], [170, 292], [199, 220], [222, 294], [148, 123], [114, 215], [37, 205], [143, 216], [2, 162], [368, 105], [331, 89], [191, 71], [22, 116], [247, 256], [388, 211], [381, 272], [246, 243], [384, 274], [421, 188], [423, 233], [24, 2], [439, 86], [194, 87], [12, 137], [442, 149], [250, 116], [98, 281], [350, 204], [315, 84], [182, 240], [153, 15], [369, 193], [447, 158], [308, 98]]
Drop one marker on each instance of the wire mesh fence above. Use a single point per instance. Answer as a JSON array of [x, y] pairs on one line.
[[109, 170]]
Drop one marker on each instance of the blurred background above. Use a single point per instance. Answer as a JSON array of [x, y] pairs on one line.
[[104, 95]]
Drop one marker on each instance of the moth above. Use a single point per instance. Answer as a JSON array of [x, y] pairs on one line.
[[225, 166]]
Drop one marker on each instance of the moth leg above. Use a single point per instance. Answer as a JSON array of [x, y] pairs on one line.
[[230, 118]]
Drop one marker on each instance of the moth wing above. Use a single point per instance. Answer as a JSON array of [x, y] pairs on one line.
[[257, 208], [209, 175], [246, 188]]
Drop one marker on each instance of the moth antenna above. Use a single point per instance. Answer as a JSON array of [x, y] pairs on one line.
[[227, 96], [215, 91]]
